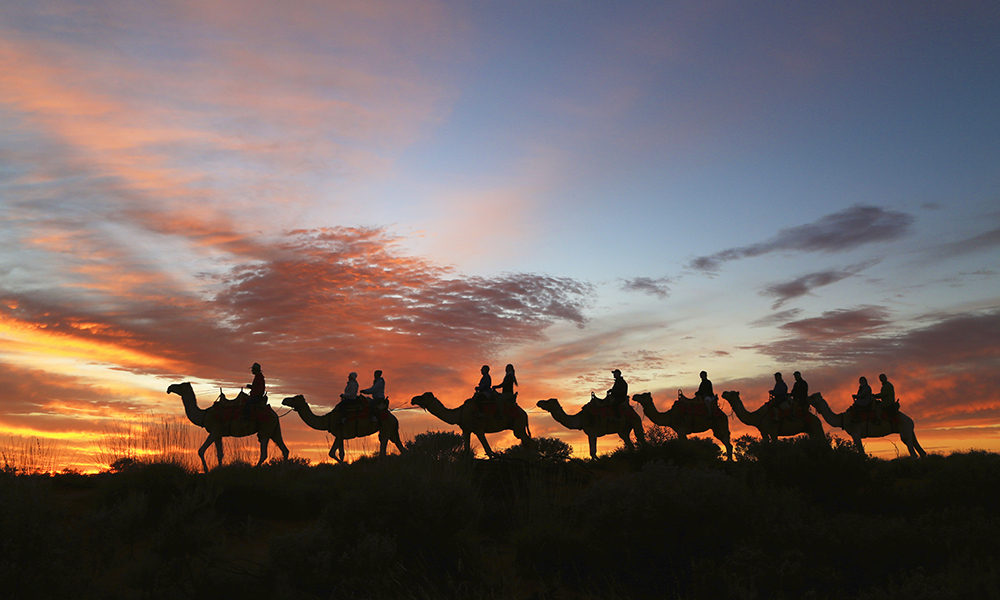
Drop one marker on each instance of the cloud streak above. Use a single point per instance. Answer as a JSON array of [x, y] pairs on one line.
[[787, 291], [838, 232]]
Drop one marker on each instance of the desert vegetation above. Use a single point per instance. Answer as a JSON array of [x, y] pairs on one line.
[[797, 518]]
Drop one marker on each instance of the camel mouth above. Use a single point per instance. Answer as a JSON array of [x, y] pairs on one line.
[[291, 400]]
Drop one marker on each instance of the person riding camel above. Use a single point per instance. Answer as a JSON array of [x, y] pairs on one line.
[[887, 396], [705, 392], [506, 386], [863, 401], [779, 395], [800, 392], [616, 396], [257, 389], [349, 399], [377, 394]]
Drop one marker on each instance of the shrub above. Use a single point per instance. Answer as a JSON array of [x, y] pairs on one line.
[[439, 445]]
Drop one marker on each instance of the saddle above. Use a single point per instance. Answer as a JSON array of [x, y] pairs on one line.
[[497, 406], [877, 414], [693, 407], [793, 412], [233, 410]]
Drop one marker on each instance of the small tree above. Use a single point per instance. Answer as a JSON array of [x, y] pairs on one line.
[[441, 445]]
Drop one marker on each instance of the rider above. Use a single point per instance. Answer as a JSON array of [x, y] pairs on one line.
[[705, 393], [349, 398], [800, 392], [485, 387], [887, 395], [256, 395], [779, 394], [506, 386], [617, 395], [377, 393], [863, 399]]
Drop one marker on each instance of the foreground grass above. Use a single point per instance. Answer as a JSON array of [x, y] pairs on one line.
[[788, 520]]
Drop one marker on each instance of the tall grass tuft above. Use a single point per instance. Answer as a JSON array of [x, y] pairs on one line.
[[33, 455], [160, 439]]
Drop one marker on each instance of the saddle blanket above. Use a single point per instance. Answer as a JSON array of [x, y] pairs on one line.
[[696, 408]]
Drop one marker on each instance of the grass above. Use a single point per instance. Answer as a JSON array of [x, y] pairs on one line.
[[673, 520]]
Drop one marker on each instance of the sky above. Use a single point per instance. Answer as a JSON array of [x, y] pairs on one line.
[[424, 187]]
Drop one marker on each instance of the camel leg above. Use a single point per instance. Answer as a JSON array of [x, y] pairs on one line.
[[858, 444], [525, 436], [593, 445], [338, 445], [640, 436], [394, 438], [263, 449], [724, 438], [383, 441], [467, 439], [486, 445], [201, 452], [912, 444], [280, 443], [628, 440]]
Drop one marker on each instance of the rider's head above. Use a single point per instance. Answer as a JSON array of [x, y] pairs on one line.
[[797, 375], [485, 369], [255, 368], [703, 374], [777, 376], [352, 376], [378, 373], [883, 378], [616, 373]]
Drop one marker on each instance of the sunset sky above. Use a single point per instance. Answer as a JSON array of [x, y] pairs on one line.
[[425, 187]]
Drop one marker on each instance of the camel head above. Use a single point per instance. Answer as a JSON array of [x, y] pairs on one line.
[[642, 398], [816, 399], [548, 405], [731, 396], [181, 389], [294, 402], [424, 400]]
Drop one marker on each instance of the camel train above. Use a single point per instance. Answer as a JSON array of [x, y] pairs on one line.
[[597, 418]]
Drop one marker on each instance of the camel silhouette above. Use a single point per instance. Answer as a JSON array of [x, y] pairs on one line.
[[360, 426], [771, 428], [491, 418], [686, 417], [596, 425], [858, 429], [222, 420]]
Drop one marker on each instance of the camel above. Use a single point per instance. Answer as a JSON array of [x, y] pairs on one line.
[[686, 417], [770, 428], [505, 415], [596, 425], [387, 426], [222, 419], [887, 425]]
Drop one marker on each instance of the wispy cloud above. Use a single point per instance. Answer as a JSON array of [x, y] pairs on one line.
[[983, 242], [647, 285], [805, 284], [841, 231]]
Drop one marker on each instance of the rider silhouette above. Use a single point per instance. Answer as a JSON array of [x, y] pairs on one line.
[[506, 386], [800, 391], [377, 393], [256, 395], [617, 395]]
